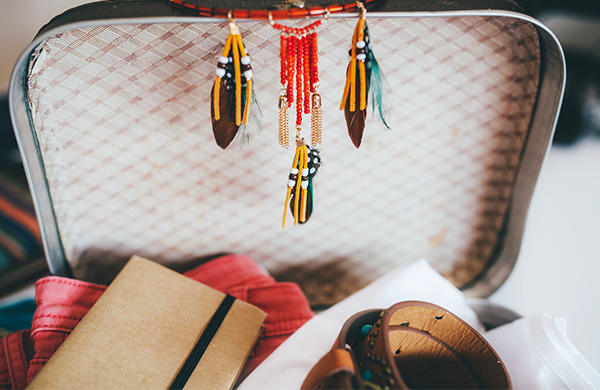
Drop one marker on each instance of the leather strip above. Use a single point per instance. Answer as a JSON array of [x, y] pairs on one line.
[[292, 13], [335, 361], [209, 332]]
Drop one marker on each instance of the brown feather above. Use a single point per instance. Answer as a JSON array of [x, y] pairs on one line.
[[355, 120], [225, 128]]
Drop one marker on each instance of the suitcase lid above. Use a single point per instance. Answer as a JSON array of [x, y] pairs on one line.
[[111, 108]]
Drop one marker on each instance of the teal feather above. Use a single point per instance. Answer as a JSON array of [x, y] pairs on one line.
[[375, 80]]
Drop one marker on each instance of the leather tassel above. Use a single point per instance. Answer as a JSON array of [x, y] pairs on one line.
[[232, 92]]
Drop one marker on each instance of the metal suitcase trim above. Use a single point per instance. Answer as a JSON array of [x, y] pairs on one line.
[[536, 147]]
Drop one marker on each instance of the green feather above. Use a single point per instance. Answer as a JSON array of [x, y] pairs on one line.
[[375, 81]]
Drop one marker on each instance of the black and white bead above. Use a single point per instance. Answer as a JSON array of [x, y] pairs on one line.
[[247, 67], [293, 177], [361, 51], [222, 66], [304, 181]]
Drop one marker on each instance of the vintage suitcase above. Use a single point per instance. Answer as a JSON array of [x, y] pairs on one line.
[[111, 105]]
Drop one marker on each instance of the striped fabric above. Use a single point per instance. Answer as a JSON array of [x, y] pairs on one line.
[[19, 232]]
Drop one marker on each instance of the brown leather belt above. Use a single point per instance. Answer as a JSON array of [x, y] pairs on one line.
[[411, 345]]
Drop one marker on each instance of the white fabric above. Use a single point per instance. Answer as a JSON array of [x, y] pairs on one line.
[[538, 355], [288, 365], [535, 350]]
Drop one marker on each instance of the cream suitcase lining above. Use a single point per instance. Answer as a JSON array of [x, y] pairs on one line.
[[113, 122]]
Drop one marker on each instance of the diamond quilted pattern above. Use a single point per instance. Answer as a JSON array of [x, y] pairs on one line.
[[122, 117]]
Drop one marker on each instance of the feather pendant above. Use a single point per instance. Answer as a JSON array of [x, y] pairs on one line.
[[231, 96], [363, 78], [306, 197]]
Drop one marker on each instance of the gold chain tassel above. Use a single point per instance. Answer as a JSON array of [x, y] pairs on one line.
[[284, 131], [316, 119]]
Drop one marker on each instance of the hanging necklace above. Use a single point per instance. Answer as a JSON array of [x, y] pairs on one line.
[[299, 77]]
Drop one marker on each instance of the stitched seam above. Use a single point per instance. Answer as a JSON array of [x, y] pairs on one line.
[[11, 371], [40, 359], [23, 360], [71, 283], [58, 316], [56, 328]]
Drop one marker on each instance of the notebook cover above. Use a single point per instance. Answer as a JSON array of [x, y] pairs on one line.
[[142, 329]]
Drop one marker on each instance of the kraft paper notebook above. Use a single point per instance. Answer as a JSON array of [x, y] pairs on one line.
[[144, 328]]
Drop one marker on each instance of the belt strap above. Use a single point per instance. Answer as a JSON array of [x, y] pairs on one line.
[[410, 345]]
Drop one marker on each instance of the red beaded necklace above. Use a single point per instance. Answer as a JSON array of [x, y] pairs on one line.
[[299, 64]]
